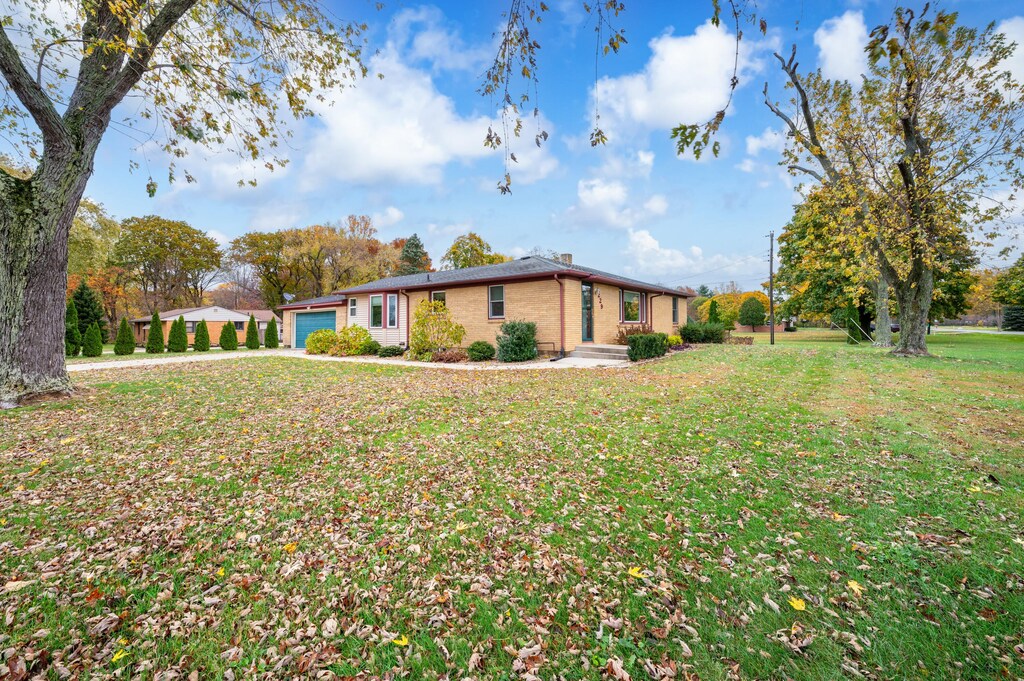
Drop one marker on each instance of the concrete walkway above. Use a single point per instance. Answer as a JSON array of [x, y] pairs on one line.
[[214, 355]]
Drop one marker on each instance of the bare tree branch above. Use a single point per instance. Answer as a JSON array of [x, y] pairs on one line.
[[31, 95]]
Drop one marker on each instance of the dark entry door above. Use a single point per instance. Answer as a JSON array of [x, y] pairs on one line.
[[588, 311]]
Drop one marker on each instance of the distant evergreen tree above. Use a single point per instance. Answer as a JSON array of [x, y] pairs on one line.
[[252, 334], [414, 258], [270, 335], [92, 346], [201, 343], [90, 310], [1013, 318], [155, 341], [72, 336], [125, 342], [228, 337], [177, 339], [704, 291]]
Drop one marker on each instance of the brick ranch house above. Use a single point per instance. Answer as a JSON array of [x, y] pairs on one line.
[[572, 305], [216, 317]]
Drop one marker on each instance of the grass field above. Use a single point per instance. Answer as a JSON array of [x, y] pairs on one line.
[[808, 511]]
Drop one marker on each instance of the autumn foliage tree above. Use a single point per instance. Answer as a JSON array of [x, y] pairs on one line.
[[470, 250], [214, 75]]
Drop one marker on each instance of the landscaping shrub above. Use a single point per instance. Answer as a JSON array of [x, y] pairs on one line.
[[228, 337], [517, 341], [433, 329], [714, 317], [155, 340], [177, 339], [702, 332], [92, 345], [320, 342], [674, 341], [352, 340], [646, 345], [752, 313], [72, 336], [391, 351], [201, 342], [450, 356], [90, 310], [252, 334], [270, 335], [624, 332], [480, 351], [124, 344]]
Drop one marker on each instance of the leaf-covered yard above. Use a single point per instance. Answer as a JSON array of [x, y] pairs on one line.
[[808, 511]]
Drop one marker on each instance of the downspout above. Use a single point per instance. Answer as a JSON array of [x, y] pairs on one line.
[[561, 317], [407, 315]]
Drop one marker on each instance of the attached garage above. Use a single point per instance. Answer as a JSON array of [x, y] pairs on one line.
[[308, 322]]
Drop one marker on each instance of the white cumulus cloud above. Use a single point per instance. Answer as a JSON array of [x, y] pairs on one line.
[[387, 217], [675, 266], [841, 41], [606, 203]]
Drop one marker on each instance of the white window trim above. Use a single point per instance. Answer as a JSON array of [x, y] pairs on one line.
[[491, 301], [434, 293], [387, 311], [369, 312], [353, 308]]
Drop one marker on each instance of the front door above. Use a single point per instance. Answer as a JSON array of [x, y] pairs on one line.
[[588, 311]]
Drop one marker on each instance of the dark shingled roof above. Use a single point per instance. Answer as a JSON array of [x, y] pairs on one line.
[[530, 266], [322, 300]]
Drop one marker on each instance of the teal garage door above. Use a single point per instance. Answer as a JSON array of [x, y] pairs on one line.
[[308, 322]]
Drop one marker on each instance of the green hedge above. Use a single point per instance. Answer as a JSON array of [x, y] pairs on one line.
[[702, 332], [517, 342], [646, 345], [480, 351], [391, 351]]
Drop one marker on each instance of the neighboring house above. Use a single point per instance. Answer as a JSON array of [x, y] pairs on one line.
[[572, 305], [216, 317]]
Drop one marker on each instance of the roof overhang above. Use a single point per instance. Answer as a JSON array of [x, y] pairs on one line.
[[533, 276]]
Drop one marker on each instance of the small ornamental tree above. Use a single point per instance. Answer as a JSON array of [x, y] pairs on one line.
[[252, 334], [713, 316], [124, 344], [1013, 318], [228, 337], [92, 345], [201, 342], [155, 341], [177, 339], [433, 328], [72, 336], [752, 313], [90, 309], [270, 335]]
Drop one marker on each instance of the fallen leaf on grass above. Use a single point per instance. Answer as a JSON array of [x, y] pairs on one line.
[[856, 588], [636, 573], [615, 671], [797, 603], [401, 641], [11, 587]]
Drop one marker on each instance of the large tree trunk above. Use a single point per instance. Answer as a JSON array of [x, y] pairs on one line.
[[35, 218], [914, 297], [883, 320]]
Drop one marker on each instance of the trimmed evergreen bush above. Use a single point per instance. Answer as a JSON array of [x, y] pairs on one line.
[[702, 332], [370, 348], [252, 334], [517, 341], [90, 310], [201, 342], [480, 351], [270, 335], [177, 339], [321, 341], [391, 351], [714, 317], [647, 346], [72, 336], [124, 344], [1013, 318], [228, 336], [155, 340], [92, 346]]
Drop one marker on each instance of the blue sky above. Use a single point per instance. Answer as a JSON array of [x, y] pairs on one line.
[[408, 149]]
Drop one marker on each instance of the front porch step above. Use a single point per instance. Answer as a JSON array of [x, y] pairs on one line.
[[611, 352]]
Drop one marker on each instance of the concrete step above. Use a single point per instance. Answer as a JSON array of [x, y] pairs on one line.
[[598, 355], [612, 352]]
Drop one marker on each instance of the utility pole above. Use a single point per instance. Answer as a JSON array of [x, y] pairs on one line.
[[771, 286]]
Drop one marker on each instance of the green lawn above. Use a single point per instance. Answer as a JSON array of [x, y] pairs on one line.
[[808, 511], [140, 353]]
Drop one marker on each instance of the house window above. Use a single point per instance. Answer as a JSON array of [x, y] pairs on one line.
[[190, 327], [675, 310], [376, 312], [392, 310], [351, 309], [632, 310], [496, 302], [438, 297], [239, 326]]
